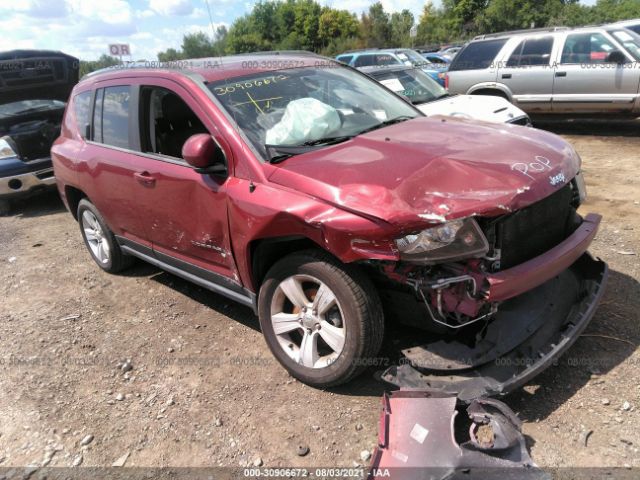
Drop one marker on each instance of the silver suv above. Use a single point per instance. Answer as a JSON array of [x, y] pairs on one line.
[[559, 70]]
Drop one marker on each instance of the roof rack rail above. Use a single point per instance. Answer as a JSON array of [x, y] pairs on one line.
[[281, 52], [516, 32], [360, 50]]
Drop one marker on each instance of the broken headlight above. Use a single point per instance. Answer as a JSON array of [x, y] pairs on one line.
[[450, 241], [6, 151]]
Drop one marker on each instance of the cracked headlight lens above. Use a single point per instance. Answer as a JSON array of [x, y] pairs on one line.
[[450, 241], [5, 149]]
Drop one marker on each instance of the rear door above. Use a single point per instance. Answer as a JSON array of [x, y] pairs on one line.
[[108, 172], [588, 79], [528, 73]]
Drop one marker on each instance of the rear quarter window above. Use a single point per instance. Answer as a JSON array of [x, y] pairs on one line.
[[477, 55], [345, 59], [82, 111], [115, 116]]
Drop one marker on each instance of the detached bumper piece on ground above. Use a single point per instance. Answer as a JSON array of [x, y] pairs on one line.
[[426, 436]]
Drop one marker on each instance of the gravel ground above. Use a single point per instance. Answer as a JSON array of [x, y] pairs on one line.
[[148, 370]]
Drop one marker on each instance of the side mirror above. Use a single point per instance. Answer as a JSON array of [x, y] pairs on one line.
[[616, 57], [204, 155]]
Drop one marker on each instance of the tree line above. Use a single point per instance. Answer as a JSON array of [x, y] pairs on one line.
[[307, 25]]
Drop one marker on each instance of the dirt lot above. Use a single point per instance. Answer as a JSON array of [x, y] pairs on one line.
[[204, 389]]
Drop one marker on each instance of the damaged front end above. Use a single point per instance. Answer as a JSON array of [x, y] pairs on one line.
[[525, 292], [426, 436]]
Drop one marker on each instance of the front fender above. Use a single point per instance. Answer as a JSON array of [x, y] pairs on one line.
[[266, 212]]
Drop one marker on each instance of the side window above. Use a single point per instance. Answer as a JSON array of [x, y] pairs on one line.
[[591, 48], [82, 111], [166, 122], [97, 116], [115, 116], [345, 59], [534, 51], [365, 61], [477, 55]]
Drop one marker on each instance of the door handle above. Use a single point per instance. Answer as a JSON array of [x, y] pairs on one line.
[[506, 75], [561, 74], [145, 179]]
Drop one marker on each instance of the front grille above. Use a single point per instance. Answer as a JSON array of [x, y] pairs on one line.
[[533, 230]]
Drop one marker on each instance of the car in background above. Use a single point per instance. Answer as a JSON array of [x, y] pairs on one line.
[[432, 99], [436, 59], [633, 25], [34, 87], [397, 56], [579, 71], [450, 52], [307, 191]]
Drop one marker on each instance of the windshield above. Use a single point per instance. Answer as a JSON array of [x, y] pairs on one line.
[[297, 107], [629, 40], [25, 106], [413, 83]]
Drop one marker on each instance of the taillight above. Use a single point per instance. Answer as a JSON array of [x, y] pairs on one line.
[[446, 81]]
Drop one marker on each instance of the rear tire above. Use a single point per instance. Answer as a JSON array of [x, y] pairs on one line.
[[327, 315], [99, 239]]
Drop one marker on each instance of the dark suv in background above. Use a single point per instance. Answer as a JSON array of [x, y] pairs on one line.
[[34, 87]]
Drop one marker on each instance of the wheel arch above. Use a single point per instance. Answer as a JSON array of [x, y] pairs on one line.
[[488, 88], [265, 252], [73, 196]]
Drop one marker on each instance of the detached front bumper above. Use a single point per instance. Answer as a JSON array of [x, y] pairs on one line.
[[17, 185], [528, 333]]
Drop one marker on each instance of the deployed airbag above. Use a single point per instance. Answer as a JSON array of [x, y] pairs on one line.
[[304, 120]]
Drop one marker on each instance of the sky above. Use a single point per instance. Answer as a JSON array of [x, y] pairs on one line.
[[85, 28]]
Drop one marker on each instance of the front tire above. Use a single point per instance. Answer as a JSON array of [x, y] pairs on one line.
[[321, 319], [99, 240]]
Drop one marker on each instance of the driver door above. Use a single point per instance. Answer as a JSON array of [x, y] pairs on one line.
[[185, 212]]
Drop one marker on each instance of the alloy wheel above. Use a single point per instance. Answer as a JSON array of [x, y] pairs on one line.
[[308, 321]]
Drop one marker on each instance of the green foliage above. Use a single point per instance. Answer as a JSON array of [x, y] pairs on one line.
[[307, 25], [103, 62]]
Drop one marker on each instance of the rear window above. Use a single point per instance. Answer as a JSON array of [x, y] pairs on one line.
[[375, 59], [634, 28], [477, 55], [534, 51]]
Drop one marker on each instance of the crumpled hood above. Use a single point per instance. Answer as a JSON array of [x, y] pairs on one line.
[[37, 75], [487, 108], [428, 170]]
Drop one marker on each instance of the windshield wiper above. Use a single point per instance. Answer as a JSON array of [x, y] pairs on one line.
[[279, 153], [327, 141], [386, 123]]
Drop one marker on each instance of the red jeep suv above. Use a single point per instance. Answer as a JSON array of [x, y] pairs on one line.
[[320, 198]]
